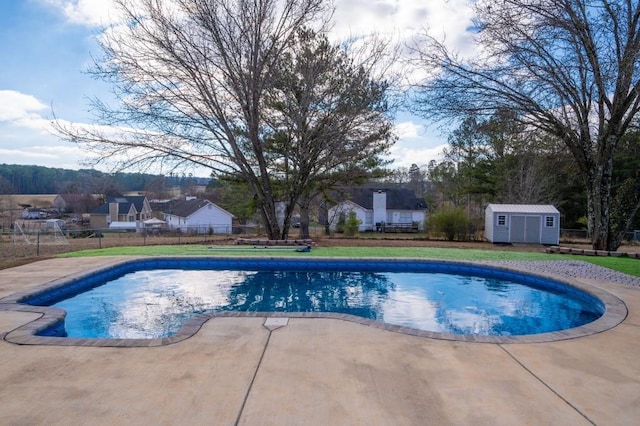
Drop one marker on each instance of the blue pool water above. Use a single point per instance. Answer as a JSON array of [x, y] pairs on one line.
[[150, 300]]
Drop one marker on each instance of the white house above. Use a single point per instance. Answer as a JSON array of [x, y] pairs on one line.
[[198, 216], [389, 210], [522, 223]]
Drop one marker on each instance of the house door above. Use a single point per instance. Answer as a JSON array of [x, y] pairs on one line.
[[525, 229]]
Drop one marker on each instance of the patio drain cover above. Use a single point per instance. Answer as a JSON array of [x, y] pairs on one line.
[[275, 322]]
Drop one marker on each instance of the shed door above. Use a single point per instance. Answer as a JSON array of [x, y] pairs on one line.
[[525, 229]]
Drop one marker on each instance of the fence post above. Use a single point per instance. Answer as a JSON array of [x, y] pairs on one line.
[[38, 244], [99, 239]]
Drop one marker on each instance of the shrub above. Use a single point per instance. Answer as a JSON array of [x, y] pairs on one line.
[[340, 224], [453, 223], [352, 224]]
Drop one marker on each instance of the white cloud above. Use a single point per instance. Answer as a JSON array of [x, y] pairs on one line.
[[49, 153], [86, 12], [30, 153], [18, 106], [26, 135], [404, 18], [404, 156], [408, 130]]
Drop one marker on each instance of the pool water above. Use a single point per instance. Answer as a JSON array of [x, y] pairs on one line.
[[152, 303]]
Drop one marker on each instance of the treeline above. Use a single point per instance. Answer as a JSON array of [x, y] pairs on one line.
[[497, 160], [21, 179]]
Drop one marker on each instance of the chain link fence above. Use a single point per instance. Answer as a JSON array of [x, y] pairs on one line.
[[15, 245]]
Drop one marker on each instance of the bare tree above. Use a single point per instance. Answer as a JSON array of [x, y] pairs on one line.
[[191, 78], [567, 67]]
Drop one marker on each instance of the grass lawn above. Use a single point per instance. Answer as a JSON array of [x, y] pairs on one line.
[[621, 264]]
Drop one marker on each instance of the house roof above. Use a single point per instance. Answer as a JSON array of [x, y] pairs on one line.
[[124, 204], [136, 200], [397, 198], [185, 208], [522, 208]]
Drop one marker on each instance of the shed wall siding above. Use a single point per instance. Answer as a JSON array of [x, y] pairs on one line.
[[488, 224], [551, 235], [529, 222], [500, 233]]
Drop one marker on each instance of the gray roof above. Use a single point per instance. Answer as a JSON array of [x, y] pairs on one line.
[[185, 208], [397, 198], [124, 204], [522, 208]]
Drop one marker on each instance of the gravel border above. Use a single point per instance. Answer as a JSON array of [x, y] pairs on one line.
[[570, 269]]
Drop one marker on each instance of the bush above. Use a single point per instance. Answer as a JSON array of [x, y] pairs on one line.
[[352, 224], [453, 223], [340, 224]]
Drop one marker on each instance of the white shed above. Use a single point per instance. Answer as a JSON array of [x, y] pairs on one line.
[[522, 223]]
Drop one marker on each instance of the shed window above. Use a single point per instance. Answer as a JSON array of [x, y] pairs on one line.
[[502, 220], [549, 221]]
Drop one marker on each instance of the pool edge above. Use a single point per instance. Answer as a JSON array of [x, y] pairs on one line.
[[615, 312]]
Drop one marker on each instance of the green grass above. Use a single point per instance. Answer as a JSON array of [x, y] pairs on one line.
[[621, 264], [626, 265]]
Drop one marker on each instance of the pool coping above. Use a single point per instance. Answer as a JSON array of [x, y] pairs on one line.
[[615, 310]]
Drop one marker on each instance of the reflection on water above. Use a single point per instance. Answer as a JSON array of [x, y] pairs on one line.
[[148, 304]]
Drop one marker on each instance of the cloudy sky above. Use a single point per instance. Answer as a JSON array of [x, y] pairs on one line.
[[47, 45]]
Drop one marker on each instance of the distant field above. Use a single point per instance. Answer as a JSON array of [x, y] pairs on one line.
[[38, 201]]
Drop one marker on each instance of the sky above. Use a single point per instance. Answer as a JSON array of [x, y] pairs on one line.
[[47, 46]]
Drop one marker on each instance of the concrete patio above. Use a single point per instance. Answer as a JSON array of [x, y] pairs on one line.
[[316, 371]]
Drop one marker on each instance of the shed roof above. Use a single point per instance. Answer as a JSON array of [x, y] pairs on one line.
[[523, 208]]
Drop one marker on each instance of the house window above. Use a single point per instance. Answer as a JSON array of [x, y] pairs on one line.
[[502, 220], [369, 217], [549, 221], [405, 217]]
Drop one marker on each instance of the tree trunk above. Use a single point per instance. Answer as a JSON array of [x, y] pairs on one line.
[[599, 207], [270, 218], [304, 217]]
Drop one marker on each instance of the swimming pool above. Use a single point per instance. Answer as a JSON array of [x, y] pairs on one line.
[[392, 290]]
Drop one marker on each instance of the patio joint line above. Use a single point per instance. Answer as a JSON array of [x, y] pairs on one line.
[[546, 385], [253, 379]]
